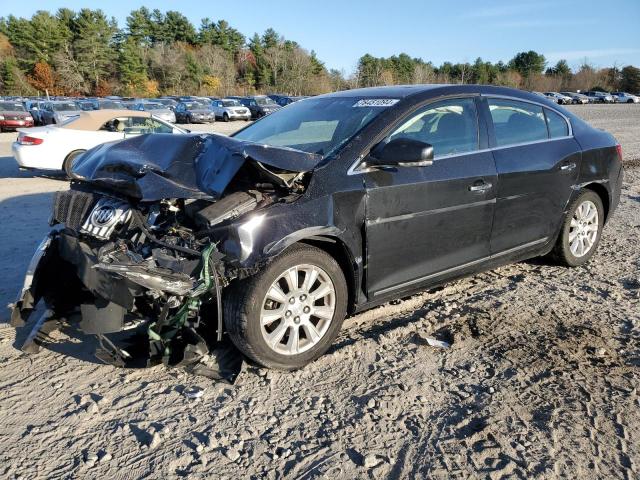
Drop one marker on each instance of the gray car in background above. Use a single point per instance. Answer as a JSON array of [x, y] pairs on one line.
[[59, 112], [230, 109], [577, 98], [157, 109]]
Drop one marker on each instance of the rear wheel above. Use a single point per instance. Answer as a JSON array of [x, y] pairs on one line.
[[581, 230], [68, 162], [289, 314]]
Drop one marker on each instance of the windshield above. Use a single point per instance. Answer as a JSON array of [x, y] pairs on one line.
[[114, 105], [230, 103], [11, 107], [320, 125], [153, 106], [265, 101], [61, 107], [195, 106]]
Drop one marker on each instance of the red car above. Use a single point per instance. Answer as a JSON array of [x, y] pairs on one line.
[[13, 115]]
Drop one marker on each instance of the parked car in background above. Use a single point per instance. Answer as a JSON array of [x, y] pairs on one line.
[[599, 97], [576, 98], [230, 109], [284, 100], [107, 104], [55, 148], [559, 98], [259, 105], [170, 103], [58, 112], [13, 115], [34, 107], [157, 109], [87, 105], [194, 112], [624, 97], [325, 208]]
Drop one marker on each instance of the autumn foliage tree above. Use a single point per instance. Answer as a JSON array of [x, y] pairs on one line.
[[44, 79]]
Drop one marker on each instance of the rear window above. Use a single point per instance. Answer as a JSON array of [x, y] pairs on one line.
[[557, 125], [517, 122]]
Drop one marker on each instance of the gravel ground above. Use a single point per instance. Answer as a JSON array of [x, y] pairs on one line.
[[540, 381]]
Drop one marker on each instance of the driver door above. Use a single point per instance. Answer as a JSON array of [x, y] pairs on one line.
[[427, 223]]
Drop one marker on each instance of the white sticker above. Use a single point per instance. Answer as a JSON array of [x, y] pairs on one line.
[[376, 102]]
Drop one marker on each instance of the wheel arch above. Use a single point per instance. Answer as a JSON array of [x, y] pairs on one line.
[[603, 193], [338, 250]]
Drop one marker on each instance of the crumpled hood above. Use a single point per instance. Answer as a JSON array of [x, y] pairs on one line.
[[156, 166]]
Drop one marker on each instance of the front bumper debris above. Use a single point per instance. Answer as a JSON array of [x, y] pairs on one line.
[[180, 315]]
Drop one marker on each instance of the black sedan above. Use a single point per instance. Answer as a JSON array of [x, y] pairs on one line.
[[325, 208]]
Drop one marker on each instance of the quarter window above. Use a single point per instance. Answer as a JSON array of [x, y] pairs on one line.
[[517, 122], [557, 125], [450, 126]]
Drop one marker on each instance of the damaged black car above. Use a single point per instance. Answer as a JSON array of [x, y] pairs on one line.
[[332, 205]]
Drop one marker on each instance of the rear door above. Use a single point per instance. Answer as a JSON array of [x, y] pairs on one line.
[[537, 161], [425, 222]]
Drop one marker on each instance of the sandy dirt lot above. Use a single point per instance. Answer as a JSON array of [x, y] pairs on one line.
[[541, 380]]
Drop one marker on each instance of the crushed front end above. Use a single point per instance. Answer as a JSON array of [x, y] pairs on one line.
[[110, 267], [135, 246]]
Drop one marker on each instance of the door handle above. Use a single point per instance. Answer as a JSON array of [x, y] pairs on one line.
[[567, 167], [481, 187]]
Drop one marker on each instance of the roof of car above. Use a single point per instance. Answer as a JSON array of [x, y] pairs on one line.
[[416, 93], [94, 119]]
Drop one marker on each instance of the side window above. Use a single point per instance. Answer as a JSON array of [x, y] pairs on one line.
[[517, 122], [557, 125], [142, 125], [450, 126]]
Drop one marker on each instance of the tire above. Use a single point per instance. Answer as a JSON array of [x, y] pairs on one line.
[[629, 101], [566, 251], [225, 117], [245, 301], [68, 162]]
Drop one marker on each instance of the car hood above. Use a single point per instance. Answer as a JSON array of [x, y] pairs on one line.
[[199, 166], [200, 110]]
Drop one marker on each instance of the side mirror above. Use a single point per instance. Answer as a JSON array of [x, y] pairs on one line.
[[402, 152]]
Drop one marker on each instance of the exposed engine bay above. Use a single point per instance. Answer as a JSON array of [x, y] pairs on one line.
[[136, 244]]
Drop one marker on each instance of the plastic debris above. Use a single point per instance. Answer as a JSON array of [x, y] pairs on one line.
[[437, 343], [193, 393]]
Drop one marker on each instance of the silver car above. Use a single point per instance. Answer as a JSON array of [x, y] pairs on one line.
[[229, 109], [157, 109], [59, 112], [558, 98], [624, 97], [577, 98]]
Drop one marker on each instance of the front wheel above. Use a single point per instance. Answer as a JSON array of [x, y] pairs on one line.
[[581, 230], [225, 117], [67, 166], [288, 314]]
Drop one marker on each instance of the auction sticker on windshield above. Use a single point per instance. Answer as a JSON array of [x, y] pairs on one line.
[[376, 102]]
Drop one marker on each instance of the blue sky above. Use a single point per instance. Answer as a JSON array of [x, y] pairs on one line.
[[457, 30]]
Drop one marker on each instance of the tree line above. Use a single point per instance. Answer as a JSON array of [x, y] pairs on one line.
[[87, 53]]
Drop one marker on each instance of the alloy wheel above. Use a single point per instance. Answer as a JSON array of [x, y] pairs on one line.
[[297, 309], [583, 230]]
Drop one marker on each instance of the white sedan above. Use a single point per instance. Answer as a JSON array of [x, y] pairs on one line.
[[53, 147], [624, 97]]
